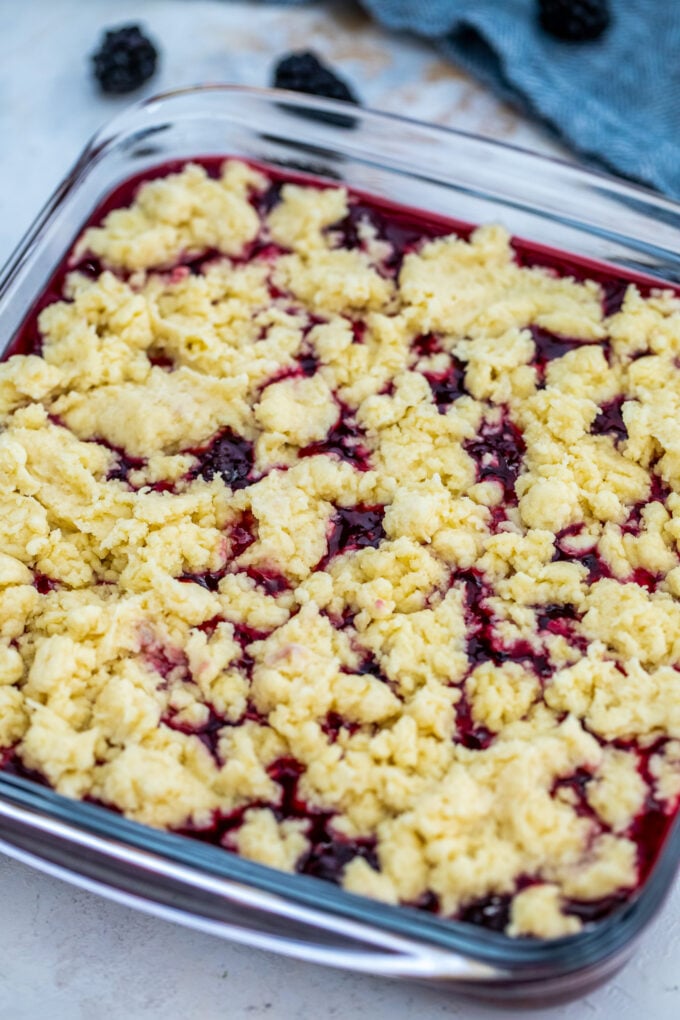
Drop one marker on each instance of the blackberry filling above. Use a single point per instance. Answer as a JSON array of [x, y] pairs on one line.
[[614, 292], [447, 386], [550, 346], [44, 585], [329, 859], [499, 454], [468, 732], [229, 456], [426, 345], [358, 527], [124, 465], [166, 661], [270, 580], [596, 566], [491, 912], [595, 910], [609, 421], [402, 232], [346, 440], [208, 733]]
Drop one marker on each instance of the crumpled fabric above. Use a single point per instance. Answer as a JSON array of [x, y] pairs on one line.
[[615, 100]]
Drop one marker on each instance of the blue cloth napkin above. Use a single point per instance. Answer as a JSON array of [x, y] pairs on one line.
[[615, 100]]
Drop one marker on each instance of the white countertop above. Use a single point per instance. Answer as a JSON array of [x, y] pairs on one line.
[[67, 954]]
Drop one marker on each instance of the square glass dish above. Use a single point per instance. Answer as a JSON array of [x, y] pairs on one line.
[[552, 205]]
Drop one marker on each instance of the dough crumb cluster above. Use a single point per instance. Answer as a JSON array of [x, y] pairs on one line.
[[350, 544]]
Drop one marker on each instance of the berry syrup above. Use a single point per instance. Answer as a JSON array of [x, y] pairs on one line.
[[609, 421], [550, 346], [345, 440], [498, 452], [358, 527], [228, 455], [447, 386]]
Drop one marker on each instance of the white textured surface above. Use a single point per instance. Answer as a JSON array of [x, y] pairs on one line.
[[65, 954]]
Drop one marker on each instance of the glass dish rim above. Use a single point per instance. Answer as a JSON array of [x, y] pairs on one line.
[[106, 134], [478, 943], [607, 936]]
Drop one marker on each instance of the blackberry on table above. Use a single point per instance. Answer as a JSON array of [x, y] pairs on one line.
[[125, 60], [304, 72], [574, 20]]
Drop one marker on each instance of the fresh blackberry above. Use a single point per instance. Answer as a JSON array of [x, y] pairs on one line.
[[304, 72], [125, 60], [574, 20]]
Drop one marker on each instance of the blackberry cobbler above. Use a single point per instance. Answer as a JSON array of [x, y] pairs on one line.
[[347, 539]]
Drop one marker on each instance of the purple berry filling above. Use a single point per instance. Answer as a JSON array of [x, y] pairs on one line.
[[354, 528], [229, 456], [499, 455]]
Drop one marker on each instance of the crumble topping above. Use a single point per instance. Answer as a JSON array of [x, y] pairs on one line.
[[350, 547]]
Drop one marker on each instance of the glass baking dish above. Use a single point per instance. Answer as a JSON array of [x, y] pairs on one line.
[[549, 203]]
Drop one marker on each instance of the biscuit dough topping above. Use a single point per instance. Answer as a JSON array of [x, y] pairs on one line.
[[349, 541]]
